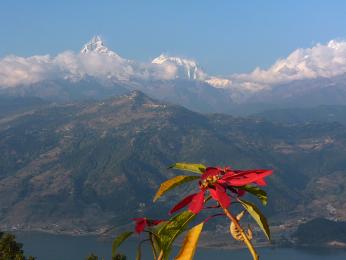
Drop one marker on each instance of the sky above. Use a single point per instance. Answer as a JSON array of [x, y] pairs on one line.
[[225, 37]]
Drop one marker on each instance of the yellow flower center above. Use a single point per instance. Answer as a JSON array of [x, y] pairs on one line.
[[209, 181]]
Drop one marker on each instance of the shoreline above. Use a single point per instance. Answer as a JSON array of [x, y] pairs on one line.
[[220, 244]]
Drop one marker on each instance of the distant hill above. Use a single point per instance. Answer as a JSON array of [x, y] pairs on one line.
[[11, 105], [320, 232], [89, 164], [304, 93], [194, 95], [303, 115], [61, 90]]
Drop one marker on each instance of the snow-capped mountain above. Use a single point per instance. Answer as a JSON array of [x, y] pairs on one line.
[[310, 76], [187, 68], [96, 45]]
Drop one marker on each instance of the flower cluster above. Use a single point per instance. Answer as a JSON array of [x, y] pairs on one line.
[[217, 181], [223, 185]]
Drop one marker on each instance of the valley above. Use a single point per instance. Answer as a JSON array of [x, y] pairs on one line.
[[88, 166]]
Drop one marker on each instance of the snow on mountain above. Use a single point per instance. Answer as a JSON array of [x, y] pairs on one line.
[[189, 69], [186, 68], [96, 45], [322, 60], [98, 62]]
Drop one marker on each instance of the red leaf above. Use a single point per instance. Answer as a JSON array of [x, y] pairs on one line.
[[220, 195], [141, 223], [228, 174], [182, 203], [246, 177], [261, 182], [197, 202]]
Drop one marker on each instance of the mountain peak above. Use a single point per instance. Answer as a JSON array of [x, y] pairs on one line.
[[96, 45], [139, 99], [97, 38], [178, 60], [187, 68], [135, 94]]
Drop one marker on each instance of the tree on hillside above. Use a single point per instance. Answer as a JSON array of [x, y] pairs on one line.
[[10, 249]]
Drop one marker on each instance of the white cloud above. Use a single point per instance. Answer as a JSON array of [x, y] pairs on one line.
[[159, 71], [93, 64], [18, 70], [319, 61], [94, 60], [184, 67], [15, 71]]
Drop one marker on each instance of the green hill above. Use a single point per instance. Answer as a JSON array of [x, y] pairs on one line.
[[91, 164]]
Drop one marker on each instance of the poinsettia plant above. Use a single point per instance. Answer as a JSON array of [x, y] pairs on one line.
[[220, 186]]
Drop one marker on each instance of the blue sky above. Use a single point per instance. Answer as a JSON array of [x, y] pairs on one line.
[[223, 36]]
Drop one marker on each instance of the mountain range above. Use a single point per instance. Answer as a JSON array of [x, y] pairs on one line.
[[93, 164], [306, 78], [86, 137]]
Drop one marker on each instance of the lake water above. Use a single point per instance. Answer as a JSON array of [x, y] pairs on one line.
[[64, 247]]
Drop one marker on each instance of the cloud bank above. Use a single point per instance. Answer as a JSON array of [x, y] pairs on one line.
[[319, 61], [19, 71], [96, 60]]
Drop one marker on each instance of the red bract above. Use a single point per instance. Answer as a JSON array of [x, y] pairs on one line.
[[142, 223], [187, 200], [241, 178], [216, 181]]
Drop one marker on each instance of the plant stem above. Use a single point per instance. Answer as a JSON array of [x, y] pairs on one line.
[[152, 246], [246, 239], [160, 256]]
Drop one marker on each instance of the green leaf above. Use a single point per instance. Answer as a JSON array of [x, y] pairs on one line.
[[257, 216], [260, 194], [155, 246], [172, 183], [191, 167], [188, 249], [172, 229], [119, 240]]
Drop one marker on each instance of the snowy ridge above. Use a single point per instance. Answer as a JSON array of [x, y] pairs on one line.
[[96, 45], [186, 68], [97, 61]]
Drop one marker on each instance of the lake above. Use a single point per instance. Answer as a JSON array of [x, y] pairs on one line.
[[64, 247]]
